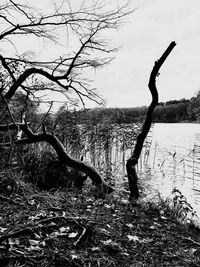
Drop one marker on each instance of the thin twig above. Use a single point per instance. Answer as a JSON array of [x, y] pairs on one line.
[[79, 240], [47, 113], [190, 239]]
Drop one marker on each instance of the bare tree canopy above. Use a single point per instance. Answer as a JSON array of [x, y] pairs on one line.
[[53, 44]]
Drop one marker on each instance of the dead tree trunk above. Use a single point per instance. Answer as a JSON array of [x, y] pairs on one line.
[[133, 160], [97, 179]]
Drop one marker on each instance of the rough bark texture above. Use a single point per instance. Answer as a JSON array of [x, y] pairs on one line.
[[133, 160]]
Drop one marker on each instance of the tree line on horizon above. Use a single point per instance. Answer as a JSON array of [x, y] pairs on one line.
[[183, 110]]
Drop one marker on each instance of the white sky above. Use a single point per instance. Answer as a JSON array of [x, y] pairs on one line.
[[151, 29]]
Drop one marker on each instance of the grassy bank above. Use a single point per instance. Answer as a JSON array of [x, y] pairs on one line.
[[72, 229]]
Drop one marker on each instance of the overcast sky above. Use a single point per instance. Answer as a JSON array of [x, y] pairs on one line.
[[151, 29]]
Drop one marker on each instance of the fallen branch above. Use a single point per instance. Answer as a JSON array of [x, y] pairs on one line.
[[191, 240], [31, 230], [81, 237]]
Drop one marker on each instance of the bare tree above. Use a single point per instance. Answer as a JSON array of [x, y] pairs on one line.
[[72, 32], [133, 160]]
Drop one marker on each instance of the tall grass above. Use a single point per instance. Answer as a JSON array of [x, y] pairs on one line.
[[105, 146], [179, 163]]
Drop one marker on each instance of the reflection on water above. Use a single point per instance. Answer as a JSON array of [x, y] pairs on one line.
[[170, 157], [174, 160]]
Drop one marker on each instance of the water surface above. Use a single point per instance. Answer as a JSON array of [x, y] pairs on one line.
[[174, 160]]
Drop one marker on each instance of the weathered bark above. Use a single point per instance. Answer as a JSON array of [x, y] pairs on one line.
[[97, 179], [133, 160]]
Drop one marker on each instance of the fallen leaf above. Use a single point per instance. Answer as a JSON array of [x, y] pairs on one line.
[[58, 233], [133, 238], [64, 229], [89, 210], [152, 227], [54, 234], [31, 202], [95, 249], [3, 229], [107, 206], [64, 213], [33, 248], [124, 254], [34, 242], [130, 225], [72, 235], [89, 199], [43, 243], [192, 250], [74, 255], [157, 224], [104, 231], [106, 242], [98, 202], [13, 241], [124, 201]]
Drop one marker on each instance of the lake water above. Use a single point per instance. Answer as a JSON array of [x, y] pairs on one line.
[[174, 161], [170, 158]]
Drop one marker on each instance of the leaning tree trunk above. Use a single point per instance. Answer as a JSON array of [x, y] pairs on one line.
[[55, 143], [133, 160]]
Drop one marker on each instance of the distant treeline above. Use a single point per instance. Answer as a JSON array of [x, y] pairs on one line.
[[170, 111], [114, 115], [178, 110]]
